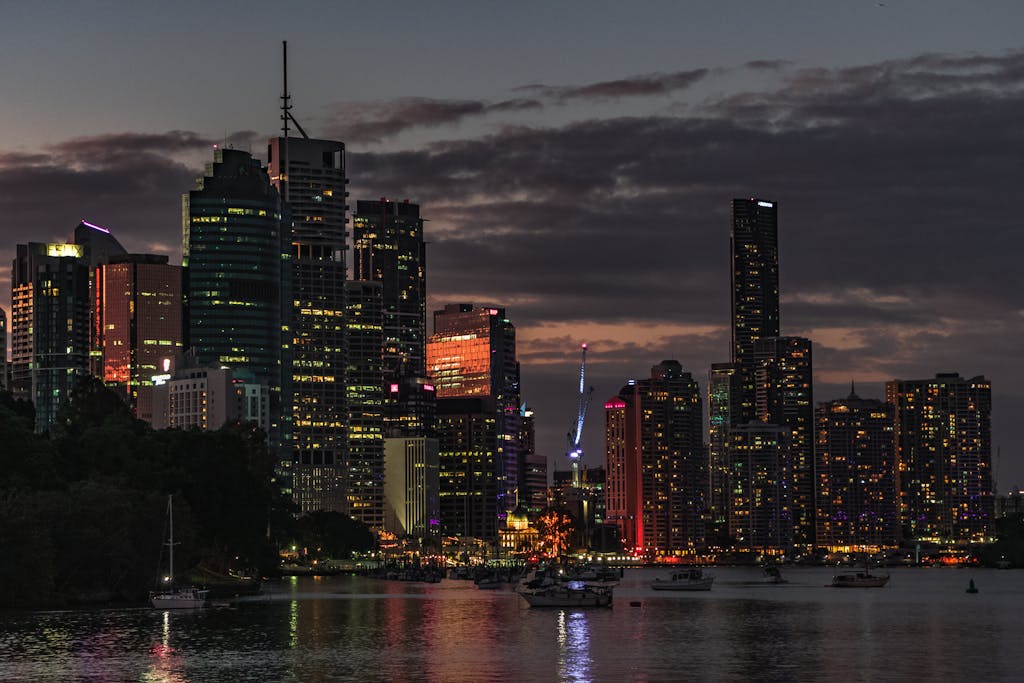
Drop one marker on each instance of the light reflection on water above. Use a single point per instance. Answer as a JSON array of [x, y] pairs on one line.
[[921, 626]]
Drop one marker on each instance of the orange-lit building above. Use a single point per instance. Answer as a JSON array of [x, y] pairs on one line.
[[137, 325]]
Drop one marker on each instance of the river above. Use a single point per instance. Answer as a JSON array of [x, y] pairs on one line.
[[923, 626]]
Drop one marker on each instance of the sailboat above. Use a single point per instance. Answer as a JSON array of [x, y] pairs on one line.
[[184, 597]]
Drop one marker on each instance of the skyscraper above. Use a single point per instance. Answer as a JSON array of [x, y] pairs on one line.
[[760, 506], [723, 387], [363, 464], [784, 396], [137, 325], [235, 245], [659, 423], [3, 349], [755, 290], [472, 354], [50, 324], [855, 476], [944, 455], [310, 176], [389, 248], [471, 468]]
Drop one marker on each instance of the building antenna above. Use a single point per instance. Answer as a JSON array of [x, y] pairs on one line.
[[286, 105]]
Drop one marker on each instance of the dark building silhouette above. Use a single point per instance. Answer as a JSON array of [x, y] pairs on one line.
[[856, 507], [944, 454], [755, 290], [784, 396], [471, 470]]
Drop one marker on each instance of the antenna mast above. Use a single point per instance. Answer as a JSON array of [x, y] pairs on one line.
[[574, 451]]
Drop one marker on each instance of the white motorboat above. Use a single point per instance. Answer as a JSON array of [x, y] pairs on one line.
[[181, 597], [569, 594], [685, 580]]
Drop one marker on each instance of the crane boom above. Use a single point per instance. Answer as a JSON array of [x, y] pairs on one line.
[[575, 451]]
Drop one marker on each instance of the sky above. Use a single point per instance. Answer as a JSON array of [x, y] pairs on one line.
[[576, 163]]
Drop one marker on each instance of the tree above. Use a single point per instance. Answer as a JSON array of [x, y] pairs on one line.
[[555, 527]]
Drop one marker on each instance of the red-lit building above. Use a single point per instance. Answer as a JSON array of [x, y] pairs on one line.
[[137, 327]]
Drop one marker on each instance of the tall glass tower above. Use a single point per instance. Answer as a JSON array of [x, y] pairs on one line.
[[235, 239], [755, 290]]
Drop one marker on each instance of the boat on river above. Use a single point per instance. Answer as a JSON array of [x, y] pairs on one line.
[[772, 574], [864, 579], [176, 597], [567, 594], [685, 580]]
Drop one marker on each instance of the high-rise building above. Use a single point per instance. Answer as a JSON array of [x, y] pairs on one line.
[[49, 324], [234, 255], [755, 290], [310, 176], [136, 325], [760, 489], [944, 454], [533, 490], [470, 466], [3, 349], [723, 387], [363, 464], [389, 248], [855, 474], [208, 398], [412, 487], [659, 423], [623, 491], [784, 396], [472, 354]]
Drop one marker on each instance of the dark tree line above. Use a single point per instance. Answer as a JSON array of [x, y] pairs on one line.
[[83, 508]]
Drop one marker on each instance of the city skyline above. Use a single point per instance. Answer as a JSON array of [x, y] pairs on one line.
[[893, 182]]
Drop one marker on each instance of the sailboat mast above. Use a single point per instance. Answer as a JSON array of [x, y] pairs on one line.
[[170, 542]]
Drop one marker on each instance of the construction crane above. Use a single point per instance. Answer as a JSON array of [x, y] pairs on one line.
[[574, 451]]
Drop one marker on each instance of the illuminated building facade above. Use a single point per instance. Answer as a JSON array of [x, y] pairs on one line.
[[533, 492], [658, 422], [412, 487], [234, 251], [310, 177], [723, 387], [472, 354], [760, 505], [755, 290], [136, 325], [943, 435], [470, 467], [855, 474], [784, 396], [389, 248], [623, 494], [363, 465], [208, 398], [49, 324], [3, 349]]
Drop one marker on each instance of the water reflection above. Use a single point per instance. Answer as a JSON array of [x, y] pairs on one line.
[[574, 661], [164, 664]]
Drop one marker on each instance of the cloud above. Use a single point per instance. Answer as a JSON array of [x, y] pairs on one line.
[[632, 86]]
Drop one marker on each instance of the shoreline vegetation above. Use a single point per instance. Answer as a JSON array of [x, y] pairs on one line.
[[83, 507]]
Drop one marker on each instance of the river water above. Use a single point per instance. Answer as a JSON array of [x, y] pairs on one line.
[[923, 626]]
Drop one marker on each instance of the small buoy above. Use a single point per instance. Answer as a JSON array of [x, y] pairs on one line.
[[635, 603], [971, 587]]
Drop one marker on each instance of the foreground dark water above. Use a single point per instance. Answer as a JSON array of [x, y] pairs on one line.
[[921, 626]]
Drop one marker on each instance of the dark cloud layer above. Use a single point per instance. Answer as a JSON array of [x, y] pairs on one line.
[[899, 226]]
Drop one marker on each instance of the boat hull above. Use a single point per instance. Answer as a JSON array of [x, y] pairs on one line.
[[180, 599], [859, 582], [568, 598]]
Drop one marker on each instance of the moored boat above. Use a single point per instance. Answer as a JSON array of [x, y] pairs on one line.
[[569, 594], [180, 597], [773, 575], [864, 579], [686, 580]]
